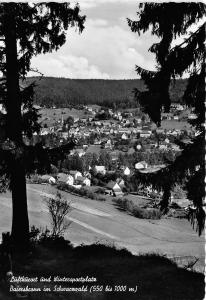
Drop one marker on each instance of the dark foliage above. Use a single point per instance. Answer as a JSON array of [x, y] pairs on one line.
[[26, 30], [168, 21], [99, 250]]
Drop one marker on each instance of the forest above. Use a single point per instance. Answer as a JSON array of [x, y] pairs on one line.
[[63, 92]]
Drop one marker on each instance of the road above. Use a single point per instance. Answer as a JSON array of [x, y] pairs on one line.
[[96, 221]]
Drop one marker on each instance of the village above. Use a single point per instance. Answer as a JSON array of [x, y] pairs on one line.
[[112, 146]]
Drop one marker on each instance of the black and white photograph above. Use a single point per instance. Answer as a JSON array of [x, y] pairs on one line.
[[102, 150]]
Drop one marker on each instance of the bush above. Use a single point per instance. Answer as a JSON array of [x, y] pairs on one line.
[[83, 191], [100, 250], [35, 179], [47, 239], [100, 190], [101, 199], [178, 192], [58, 210], [138, 212], [177, 213]]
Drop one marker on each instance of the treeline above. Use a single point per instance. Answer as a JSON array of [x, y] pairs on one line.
[[62, 92]]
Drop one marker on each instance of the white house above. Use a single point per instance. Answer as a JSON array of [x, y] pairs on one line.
[[113, 188], [80, 152], [70, 180], [65, 134], [100, 169], [163, 147], [192, 116], [62, 177], [75, 174], [124, 136], [145, 133], [139, 120], [48, 178], [2, 109], [44, 131], [77, 186], [121, 182], [88, 174], [141, 165], [127, 171], [84, 181]]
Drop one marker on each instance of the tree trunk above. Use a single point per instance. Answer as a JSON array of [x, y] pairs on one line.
[[20, 222]]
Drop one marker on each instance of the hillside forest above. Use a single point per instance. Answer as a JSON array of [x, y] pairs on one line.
[[62, 92]]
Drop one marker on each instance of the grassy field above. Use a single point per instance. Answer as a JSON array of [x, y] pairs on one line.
[[173, 124], [101, 221], [94, 149], [49, 116]]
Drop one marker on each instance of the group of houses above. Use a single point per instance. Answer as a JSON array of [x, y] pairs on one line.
[[74, 178], [77, 180]]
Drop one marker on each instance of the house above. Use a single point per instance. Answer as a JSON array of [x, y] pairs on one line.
[[192, 116], [76, 119], [62, 177], [77, 186], [121, 182], [2, 109], [80, 152], [127, 171], [162, 147], [159, 131], [114, 155], [100, 169], [44, 131], [141, 165], [48, 179], [84, 181], [75, 174], [174, 132], [64, 134], [139, 120], [88, 174], [175, 147], [70, 180], [166, 116], [97, 142], [114, 189], [145, 133], [124, 136], [108, 144]]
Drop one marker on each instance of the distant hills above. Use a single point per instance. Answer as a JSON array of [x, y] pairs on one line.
[[62, 92]]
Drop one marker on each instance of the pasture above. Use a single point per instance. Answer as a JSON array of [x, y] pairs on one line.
[[50, 116], [94, 221]]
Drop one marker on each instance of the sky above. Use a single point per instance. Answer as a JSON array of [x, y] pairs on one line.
[[105, 49]]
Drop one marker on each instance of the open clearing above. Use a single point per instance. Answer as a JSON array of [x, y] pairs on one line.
[[94, 221], [51, 115]]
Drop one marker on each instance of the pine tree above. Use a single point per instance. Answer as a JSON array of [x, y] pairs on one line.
[[168, 21], [26, 30]]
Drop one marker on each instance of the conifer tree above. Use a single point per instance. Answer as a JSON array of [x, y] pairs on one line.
[[26, 30], [167, 21]]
